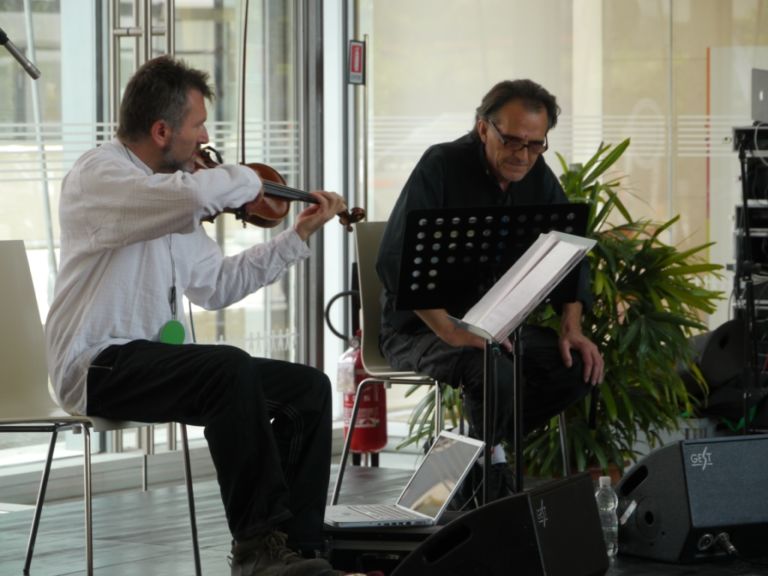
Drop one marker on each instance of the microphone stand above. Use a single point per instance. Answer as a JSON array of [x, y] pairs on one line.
[[30, 68], [745, 289]]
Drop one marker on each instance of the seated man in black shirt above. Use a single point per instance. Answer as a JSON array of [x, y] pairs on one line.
[[499, 163]]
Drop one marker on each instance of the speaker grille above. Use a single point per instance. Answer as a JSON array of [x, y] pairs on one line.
[[727, 479]]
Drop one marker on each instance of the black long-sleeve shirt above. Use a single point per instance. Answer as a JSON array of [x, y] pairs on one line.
[[456, 175]]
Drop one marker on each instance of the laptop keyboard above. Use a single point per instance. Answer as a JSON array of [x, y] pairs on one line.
[[382, 512]]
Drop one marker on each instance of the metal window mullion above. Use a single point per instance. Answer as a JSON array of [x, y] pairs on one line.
[[150, 31], [137, 36], [116, 34], [146, 19], [267, 143], [309, 94], [114, 57], [304, 274], [364, 130], [170, 27], [266, 36]]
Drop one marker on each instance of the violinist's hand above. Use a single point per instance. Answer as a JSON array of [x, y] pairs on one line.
[[312, 218]]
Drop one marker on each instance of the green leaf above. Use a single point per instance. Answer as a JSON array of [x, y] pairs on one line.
[[610, 402], [609, 160]]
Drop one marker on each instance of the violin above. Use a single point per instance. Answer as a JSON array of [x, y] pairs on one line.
[[272, 206]]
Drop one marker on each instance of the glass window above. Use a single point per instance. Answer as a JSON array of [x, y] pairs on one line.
[[672, 75]]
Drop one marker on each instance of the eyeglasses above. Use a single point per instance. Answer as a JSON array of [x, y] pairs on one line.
[[515, 144]]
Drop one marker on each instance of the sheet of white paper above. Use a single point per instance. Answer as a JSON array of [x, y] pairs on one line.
[[506, 305], [510, 279]]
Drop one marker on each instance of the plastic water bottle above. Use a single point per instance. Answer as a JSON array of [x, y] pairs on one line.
[[607, 503]]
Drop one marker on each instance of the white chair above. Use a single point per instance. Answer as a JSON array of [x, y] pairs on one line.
[[25, 403], [367, 240]]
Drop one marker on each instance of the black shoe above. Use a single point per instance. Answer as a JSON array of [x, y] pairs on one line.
[[268, 555], [501, 481]]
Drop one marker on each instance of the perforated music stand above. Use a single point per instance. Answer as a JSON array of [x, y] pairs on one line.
[[452, 256]]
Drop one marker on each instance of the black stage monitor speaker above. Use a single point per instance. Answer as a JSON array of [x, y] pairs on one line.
[[689, 501], [552, 530]]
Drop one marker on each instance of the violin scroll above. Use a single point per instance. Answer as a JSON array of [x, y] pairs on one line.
[[351, 216]]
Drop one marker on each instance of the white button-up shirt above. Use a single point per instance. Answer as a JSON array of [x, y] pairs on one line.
[[127, 235]]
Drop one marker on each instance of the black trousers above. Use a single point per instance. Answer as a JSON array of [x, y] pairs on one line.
[[548, 385], [267, 423]]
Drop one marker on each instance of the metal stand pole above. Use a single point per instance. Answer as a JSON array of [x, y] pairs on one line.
[[489, 381], [490, 406], [518, 394]]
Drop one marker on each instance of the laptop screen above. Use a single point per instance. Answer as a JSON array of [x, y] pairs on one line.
[[443, 468]]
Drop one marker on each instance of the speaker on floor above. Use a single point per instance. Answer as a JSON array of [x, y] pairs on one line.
[[693, 499], [552, 530], [719, 354]]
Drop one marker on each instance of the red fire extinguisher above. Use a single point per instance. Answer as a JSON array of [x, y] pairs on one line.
[[370, 433]]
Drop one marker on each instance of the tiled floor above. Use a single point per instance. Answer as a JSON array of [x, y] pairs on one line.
[[136, 533], [147, 533]]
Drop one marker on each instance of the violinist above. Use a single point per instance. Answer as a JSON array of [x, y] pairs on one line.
[[499, 162], [132, 245]]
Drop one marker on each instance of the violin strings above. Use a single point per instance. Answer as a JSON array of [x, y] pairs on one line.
[[288, 192]]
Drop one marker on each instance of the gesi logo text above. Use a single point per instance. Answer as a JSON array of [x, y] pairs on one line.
[[701, 460]]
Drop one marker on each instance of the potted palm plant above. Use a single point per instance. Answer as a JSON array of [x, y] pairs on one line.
[[649, 299]]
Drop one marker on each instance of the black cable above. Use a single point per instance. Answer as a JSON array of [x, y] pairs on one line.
[[333, 299], [754, 562], [723, 540]]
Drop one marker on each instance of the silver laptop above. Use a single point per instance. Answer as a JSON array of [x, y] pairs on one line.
[[760, 95], [428, 492]]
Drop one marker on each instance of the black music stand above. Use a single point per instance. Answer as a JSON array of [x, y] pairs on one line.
[[452, 256]]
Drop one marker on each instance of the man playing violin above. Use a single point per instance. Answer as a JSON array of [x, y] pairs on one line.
[[499, 163], [132, 245]]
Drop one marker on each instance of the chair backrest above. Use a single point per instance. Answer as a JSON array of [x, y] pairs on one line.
[[23, 374], [367, 239]]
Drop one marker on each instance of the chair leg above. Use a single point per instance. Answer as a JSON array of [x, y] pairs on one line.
[[191, 500], [348, 440], [88, 500], [439, 424], [148, 433], [144, 472], [564, 445], [40, 501]]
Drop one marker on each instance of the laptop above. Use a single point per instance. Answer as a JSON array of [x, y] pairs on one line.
[[760, 95], [427, 494]]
